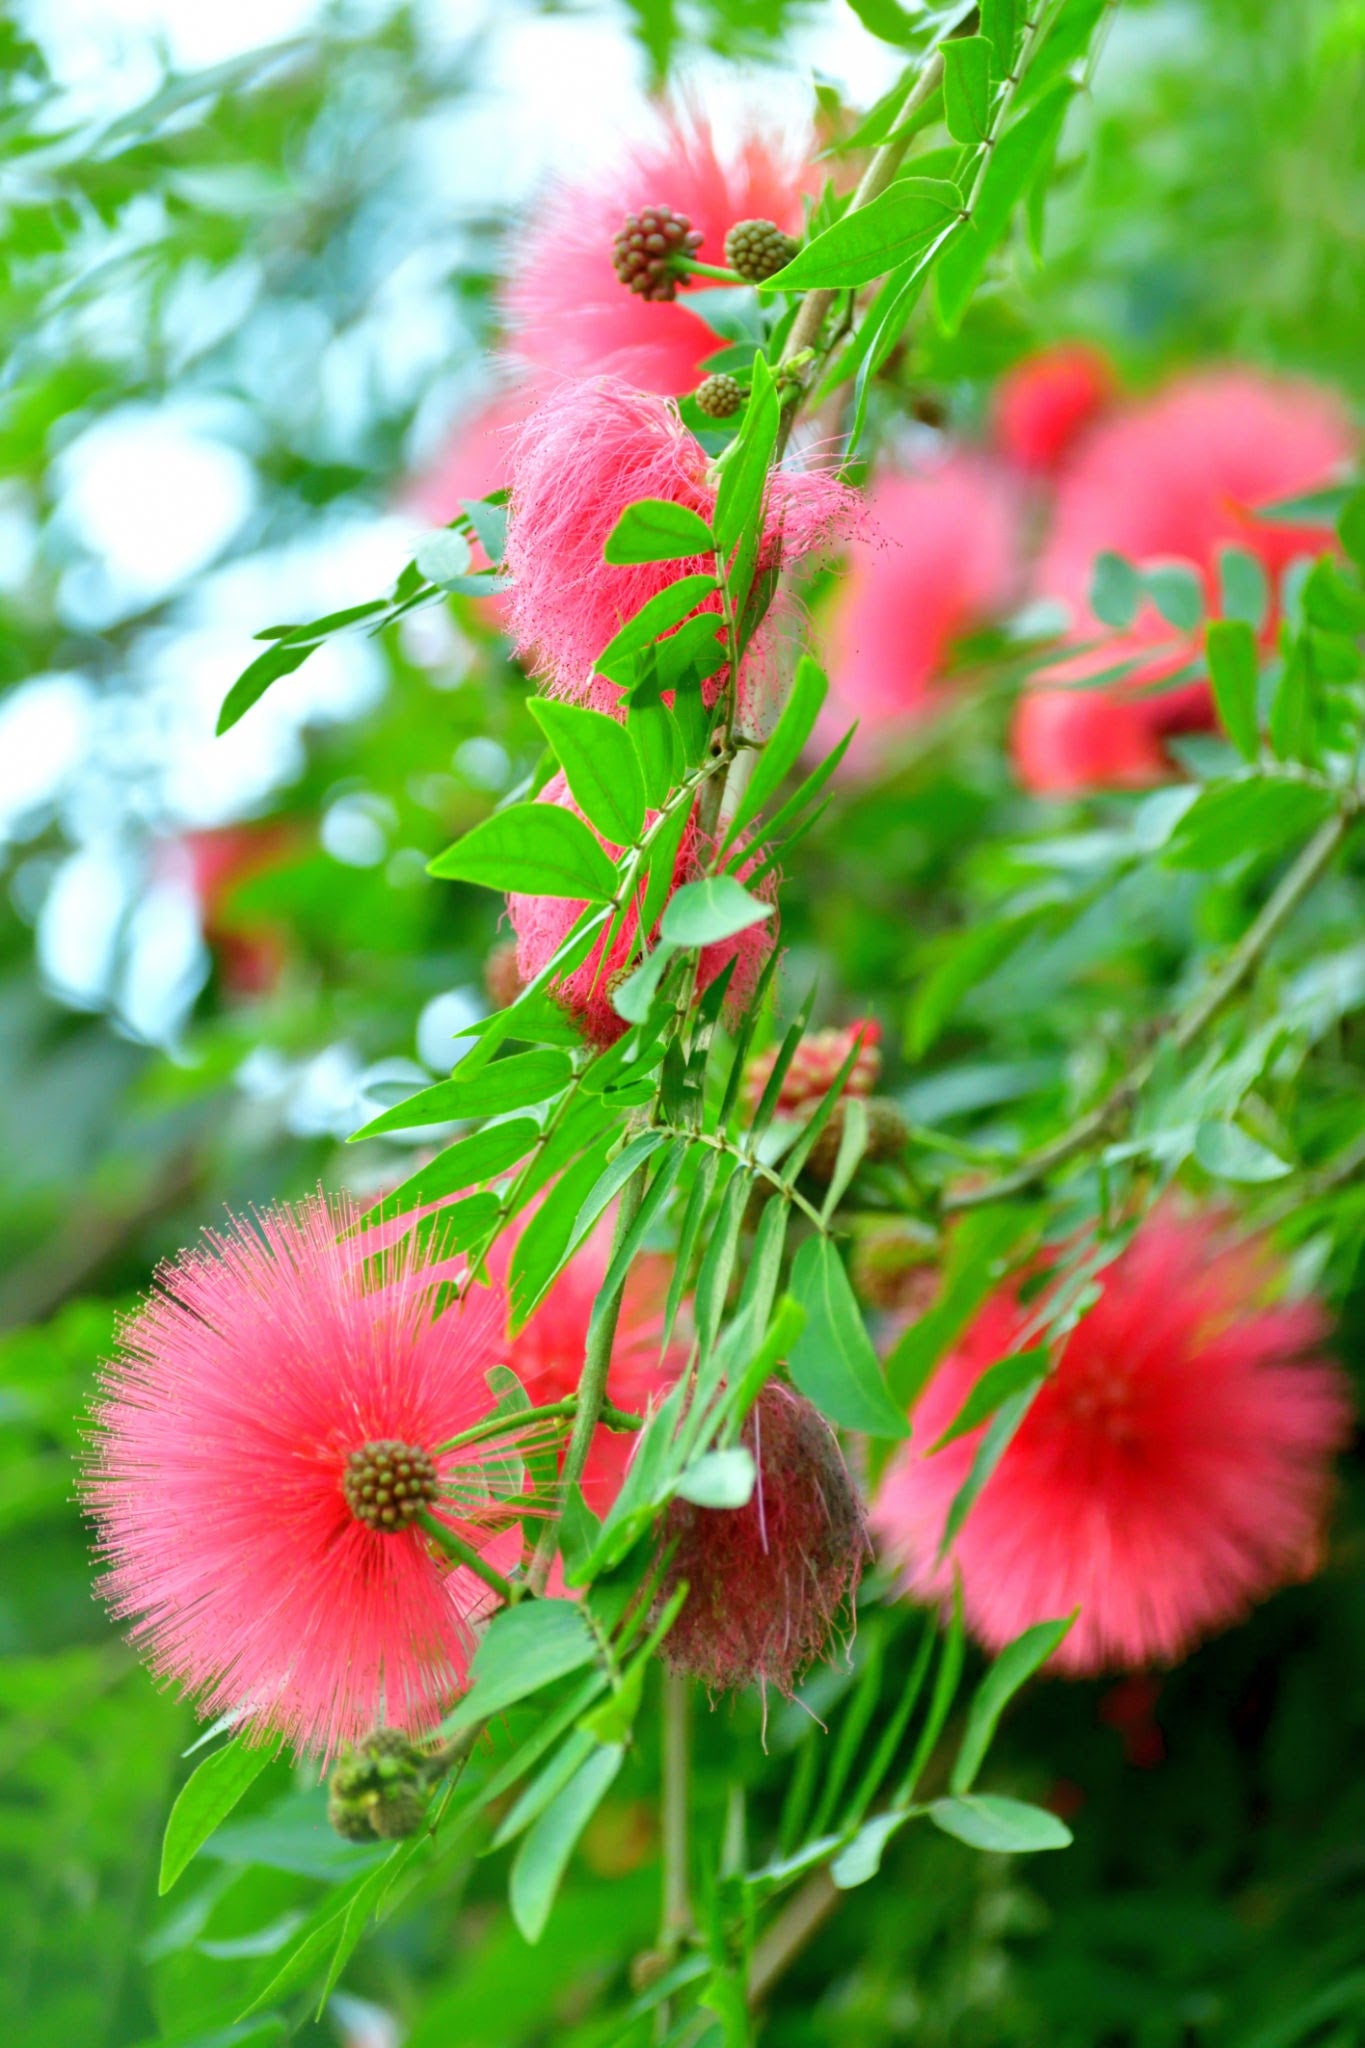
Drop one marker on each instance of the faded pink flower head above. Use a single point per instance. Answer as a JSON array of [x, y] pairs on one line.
[[547, 1353], [814, 1064], [589, 451], [542, 923], [1172, 1471], [1171, 479], [768, 1582], [1046, 402], [568, 313], [228, 1471], [942, 559]]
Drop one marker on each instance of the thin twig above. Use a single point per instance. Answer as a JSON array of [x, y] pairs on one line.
[[464, 1553]]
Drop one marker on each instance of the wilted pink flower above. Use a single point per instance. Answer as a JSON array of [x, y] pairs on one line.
[[256, 1395], [942, 559], [589, 451], [547, 1352], [1173, 1470], [542, 923], [767, 1582], [1044, 404], [568, 313], [815, 1063], [1172, 479]]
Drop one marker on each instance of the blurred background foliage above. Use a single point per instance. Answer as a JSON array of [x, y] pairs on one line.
[[244, 298]]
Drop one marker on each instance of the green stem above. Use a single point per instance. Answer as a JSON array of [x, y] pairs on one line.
[[513, 1421], [688, 266], [463, 1553], [592, 1387], [677, 1902]]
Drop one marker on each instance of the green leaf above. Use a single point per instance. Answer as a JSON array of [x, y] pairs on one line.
[[544, 1855], [1228, 1153], [744, 472], [719, 1479], [666, 608], [1256, 814], [632, 998], [832, 1361], [970, 958], [663, 863], [443, 556], [1017, 1662], [783, 750], [1231, 648], [532, 849], [549, 1236], [1177, 594], [523, 1649], [513, 1083], [1243, 591], [978, 1259], [1019, 157], [1290, 724], [657, 530], [862, 1859], [1115, 590], [489, 522], [1007, 1826], [967, 88], [252, 684], [995, 1442], [889, 22], [1351, 527], [863, 246], [703, 913], [1000, 26], [995, 1385], [206, 1800], [600, 766], [481, 1156]]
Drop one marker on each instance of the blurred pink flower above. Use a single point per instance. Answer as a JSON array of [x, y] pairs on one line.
[[219, 1470], [473, 462], [1170, 479], [542, 923], [1045, 403], [1172, 1471], [568, 314], [582, 457], [942, 557]]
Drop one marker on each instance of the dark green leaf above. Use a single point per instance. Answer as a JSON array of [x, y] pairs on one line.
[[206, 1800], [549, 1236], [534, 849], [865, 245], [1017, 1662], [1290, 724], [657, 530], [967, 88], [544, 1855], [1231, 648], [480, 1156], [1008, 1826], [508, 1084], [252, 684], [703, 913], [600, 765], [832, 1361]]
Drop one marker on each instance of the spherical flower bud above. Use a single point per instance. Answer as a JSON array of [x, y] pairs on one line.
[[643, 251], [378, 1791], [889, 1265], [814, 1064], [767, 1582], [758, 249], [887, 1132], [719, 396]]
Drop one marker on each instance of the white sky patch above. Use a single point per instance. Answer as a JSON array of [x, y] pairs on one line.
[[44, 731]]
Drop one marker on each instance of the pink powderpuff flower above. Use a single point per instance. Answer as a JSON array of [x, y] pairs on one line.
[[1046, 402], [547, 1353], [243, 1435], [1173, 478], [567, 312], [1172, 1471], [589, 451], [542, 923], [942, 559]]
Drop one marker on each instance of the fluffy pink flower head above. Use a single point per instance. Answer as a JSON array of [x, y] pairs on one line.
[[1173, 1470], [257, 1394], [1045, 403], [568, 313], [589, 451], [942, 560], [542, 923], [767, 1582], [547, 1352], [1172, 479], [815, 1063]]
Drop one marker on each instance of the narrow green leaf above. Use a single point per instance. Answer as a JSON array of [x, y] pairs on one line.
[[657, 530], [967, 88], [744, 473], [946, 1681], [863, 246], [544, 1855], [1290, 724], [666, 608], [481, 1156], [995, 1442], [995, 1385], [1019, 156], [1243, 589], [1010, 1827], [833, 1362], [1000, 26], [1017, 1662], [978, 1259], [514, 1083], [1351, 527], [1231, 648], [531, 849], [206, 1800], [862, 1859], [703, 913], [523, 1649], [1227, 1152], [1254, 814], [783, 750], [633, 997], [600, 766], [889, 22], [549, 1235], [662, 865], [252, 684]]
